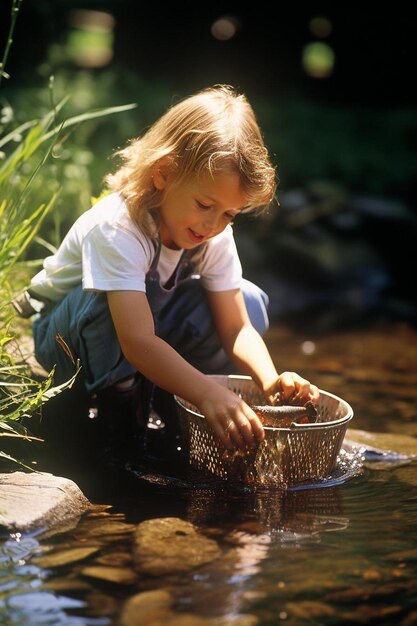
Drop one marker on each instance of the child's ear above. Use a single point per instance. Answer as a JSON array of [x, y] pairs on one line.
[[161, 172]]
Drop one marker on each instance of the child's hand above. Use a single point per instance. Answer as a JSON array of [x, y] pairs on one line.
[[231, 419], [291, 388]]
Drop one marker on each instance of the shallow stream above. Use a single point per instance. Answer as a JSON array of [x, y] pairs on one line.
[[340, 552]]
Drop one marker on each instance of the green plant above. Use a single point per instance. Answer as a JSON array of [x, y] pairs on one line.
[[24, 151]]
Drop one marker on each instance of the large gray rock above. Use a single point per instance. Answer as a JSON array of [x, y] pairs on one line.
[[30, 501]]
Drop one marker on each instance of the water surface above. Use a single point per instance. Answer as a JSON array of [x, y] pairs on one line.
[[340, 552]]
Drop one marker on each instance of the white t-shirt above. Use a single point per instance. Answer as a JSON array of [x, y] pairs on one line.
[[105, 250]]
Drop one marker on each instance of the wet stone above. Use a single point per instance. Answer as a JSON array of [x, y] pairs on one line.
[[66, 584], [120, 575], [385, 442], [155, 608], [146, 607], [65, 557], [114, 559], [29, 501], [100, 510], [100, 604], [105, 528], [171, 545]]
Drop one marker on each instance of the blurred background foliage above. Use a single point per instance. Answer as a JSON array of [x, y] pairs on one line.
[[335, 110]]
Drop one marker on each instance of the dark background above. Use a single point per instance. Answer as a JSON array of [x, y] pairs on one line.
[[374, 50], [346, 142], [374, 46]]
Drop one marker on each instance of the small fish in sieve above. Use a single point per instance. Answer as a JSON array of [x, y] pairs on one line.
[[282, 416]]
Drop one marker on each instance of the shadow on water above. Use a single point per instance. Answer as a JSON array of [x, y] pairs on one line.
[[341, 551]]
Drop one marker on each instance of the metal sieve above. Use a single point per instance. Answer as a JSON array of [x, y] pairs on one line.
[[287, 456]]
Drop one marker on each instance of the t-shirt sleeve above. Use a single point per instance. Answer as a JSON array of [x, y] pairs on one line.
[[114, 259], [220, 268]]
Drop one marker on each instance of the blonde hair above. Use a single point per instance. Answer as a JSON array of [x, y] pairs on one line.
[[212, 131]]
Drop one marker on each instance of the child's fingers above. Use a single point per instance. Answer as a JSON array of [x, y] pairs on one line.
[[293, 385], [245, 429], [232, 421], [228, 431], [256, 425], [314, 393], [296, 389], [223, 433], [233, 431]]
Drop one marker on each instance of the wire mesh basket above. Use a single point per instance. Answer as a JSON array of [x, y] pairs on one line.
[[287, 456]]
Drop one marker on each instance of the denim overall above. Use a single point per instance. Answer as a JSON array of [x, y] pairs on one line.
[[181, 314]]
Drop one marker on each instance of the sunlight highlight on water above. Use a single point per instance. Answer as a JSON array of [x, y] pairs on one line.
[[22, 599]]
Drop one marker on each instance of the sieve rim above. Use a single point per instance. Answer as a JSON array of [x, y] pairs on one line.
[[295, 426]]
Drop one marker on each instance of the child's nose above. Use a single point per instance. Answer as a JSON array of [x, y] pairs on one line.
[[211, 221]]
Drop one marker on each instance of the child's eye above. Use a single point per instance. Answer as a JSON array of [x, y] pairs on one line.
[[203, 206], [230, 216]]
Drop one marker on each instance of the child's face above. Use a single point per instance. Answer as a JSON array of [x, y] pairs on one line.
[[196, 211]]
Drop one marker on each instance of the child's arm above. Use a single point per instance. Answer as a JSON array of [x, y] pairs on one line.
[[231, 419], [248, 351]]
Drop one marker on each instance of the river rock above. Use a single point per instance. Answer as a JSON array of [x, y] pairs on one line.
[[148, 607], [383, 442], [30, 501], [171, 545], [155, 608]]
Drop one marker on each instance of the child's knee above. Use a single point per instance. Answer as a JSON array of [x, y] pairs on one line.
[[257, 302]]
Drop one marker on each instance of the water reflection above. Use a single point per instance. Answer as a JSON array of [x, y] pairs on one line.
[[342, 543], [251, 524], [265, 510], [23, 601], [88, 562]]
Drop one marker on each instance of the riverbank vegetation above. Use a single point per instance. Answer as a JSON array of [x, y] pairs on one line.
[[29, 191]]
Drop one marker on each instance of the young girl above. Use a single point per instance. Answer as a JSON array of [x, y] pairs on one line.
[[147, 284]]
